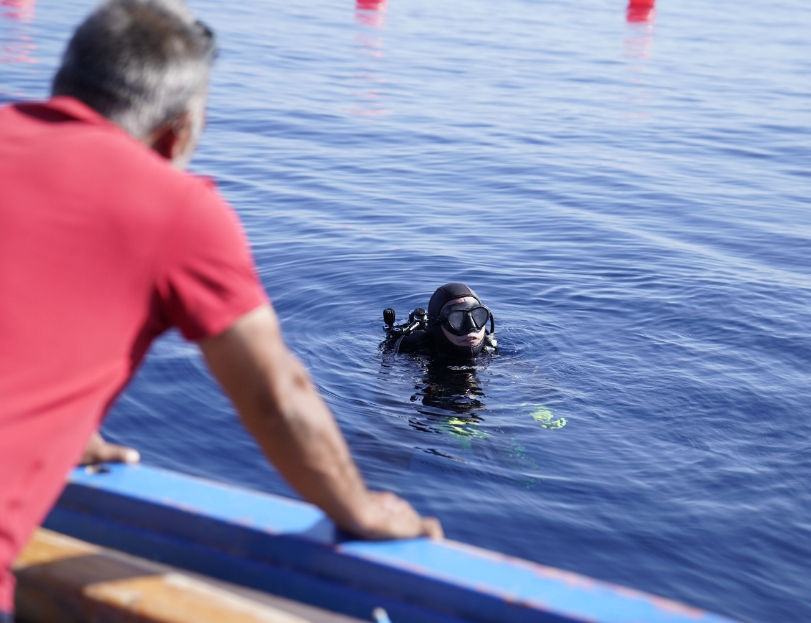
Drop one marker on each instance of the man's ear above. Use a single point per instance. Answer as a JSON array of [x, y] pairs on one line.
[[171, 139]]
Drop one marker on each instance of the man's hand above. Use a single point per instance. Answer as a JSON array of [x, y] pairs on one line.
[[99, 451], [281, 408], [391, 517]]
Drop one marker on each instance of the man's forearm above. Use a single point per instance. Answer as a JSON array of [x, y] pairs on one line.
[[282, 409], [298, 434]]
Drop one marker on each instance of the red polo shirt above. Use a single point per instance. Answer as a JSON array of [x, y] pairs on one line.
[[103, 246]]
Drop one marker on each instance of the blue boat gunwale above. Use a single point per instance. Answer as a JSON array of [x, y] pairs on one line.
[[240, 535]]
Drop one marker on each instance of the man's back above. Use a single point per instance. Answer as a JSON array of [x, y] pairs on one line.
[[103, 245]]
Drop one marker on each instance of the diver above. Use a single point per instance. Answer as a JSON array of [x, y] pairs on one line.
[[450, 398], [455, 326]]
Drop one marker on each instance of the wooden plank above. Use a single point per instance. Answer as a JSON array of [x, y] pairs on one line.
[[64, 580]]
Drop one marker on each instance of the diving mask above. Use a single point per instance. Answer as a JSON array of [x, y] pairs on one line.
[[465, 318]]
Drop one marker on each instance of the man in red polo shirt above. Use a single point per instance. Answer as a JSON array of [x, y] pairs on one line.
[[105, 243]]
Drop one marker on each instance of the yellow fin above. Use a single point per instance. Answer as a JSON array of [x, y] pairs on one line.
[[544, 417]]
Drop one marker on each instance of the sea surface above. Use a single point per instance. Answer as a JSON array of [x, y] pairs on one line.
[[630, 193]]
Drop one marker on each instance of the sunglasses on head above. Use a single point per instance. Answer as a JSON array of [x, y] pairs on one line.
[[465, 318], [209, 39]]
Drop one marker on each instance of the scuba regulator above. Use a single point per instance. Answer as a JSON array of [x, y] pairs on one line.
[[417, 319]]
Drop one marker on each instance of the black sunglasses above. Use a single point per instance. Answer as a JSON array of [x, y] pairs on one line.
[[210, 39]]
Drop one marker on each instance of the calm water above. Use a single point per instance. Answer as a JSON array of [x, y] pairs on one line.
[[632, 201]]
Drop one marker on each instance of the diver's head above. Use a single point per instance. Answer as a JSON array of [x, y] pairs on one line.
[[457, 320], [466, 331]]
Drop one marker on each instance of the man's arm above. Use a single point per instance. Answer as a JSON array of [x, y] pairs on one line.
[[281, 408]]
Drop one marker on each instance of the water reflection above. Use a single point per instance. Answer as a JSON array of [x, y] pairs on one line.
[[451, 408], [17, 44], [451, 396], [450, 388], [370, 14]]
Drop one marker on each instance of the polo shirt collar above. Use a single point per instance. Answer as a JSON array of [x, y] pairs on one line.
[[78, 110], [82, 112]]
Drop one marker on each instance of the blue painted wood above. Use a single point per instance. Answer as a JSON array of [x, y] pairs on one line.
[[291, 549]]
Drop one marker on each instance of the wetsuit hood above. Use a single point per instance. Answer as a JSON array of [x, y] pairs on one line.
[[442, 295]]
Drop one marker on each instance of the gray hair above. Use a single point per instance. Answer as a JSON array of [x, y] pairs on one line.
[[140, 63]]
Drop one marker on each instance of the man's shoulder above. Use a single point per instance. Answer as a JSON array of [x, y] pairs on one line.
[[98, 173], [84, 140]]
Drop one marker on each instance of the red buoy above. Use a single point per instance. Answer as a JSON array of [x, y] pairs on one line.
[[370, 5], [18, 10], [371, 13], [641, 10]]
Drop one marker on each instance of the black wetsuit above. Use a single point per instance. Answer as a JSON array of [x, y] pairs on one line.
[[421, 342]]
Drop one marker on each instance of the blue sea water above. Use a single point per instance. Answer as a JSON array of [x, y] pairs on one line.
[[630, 198]]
